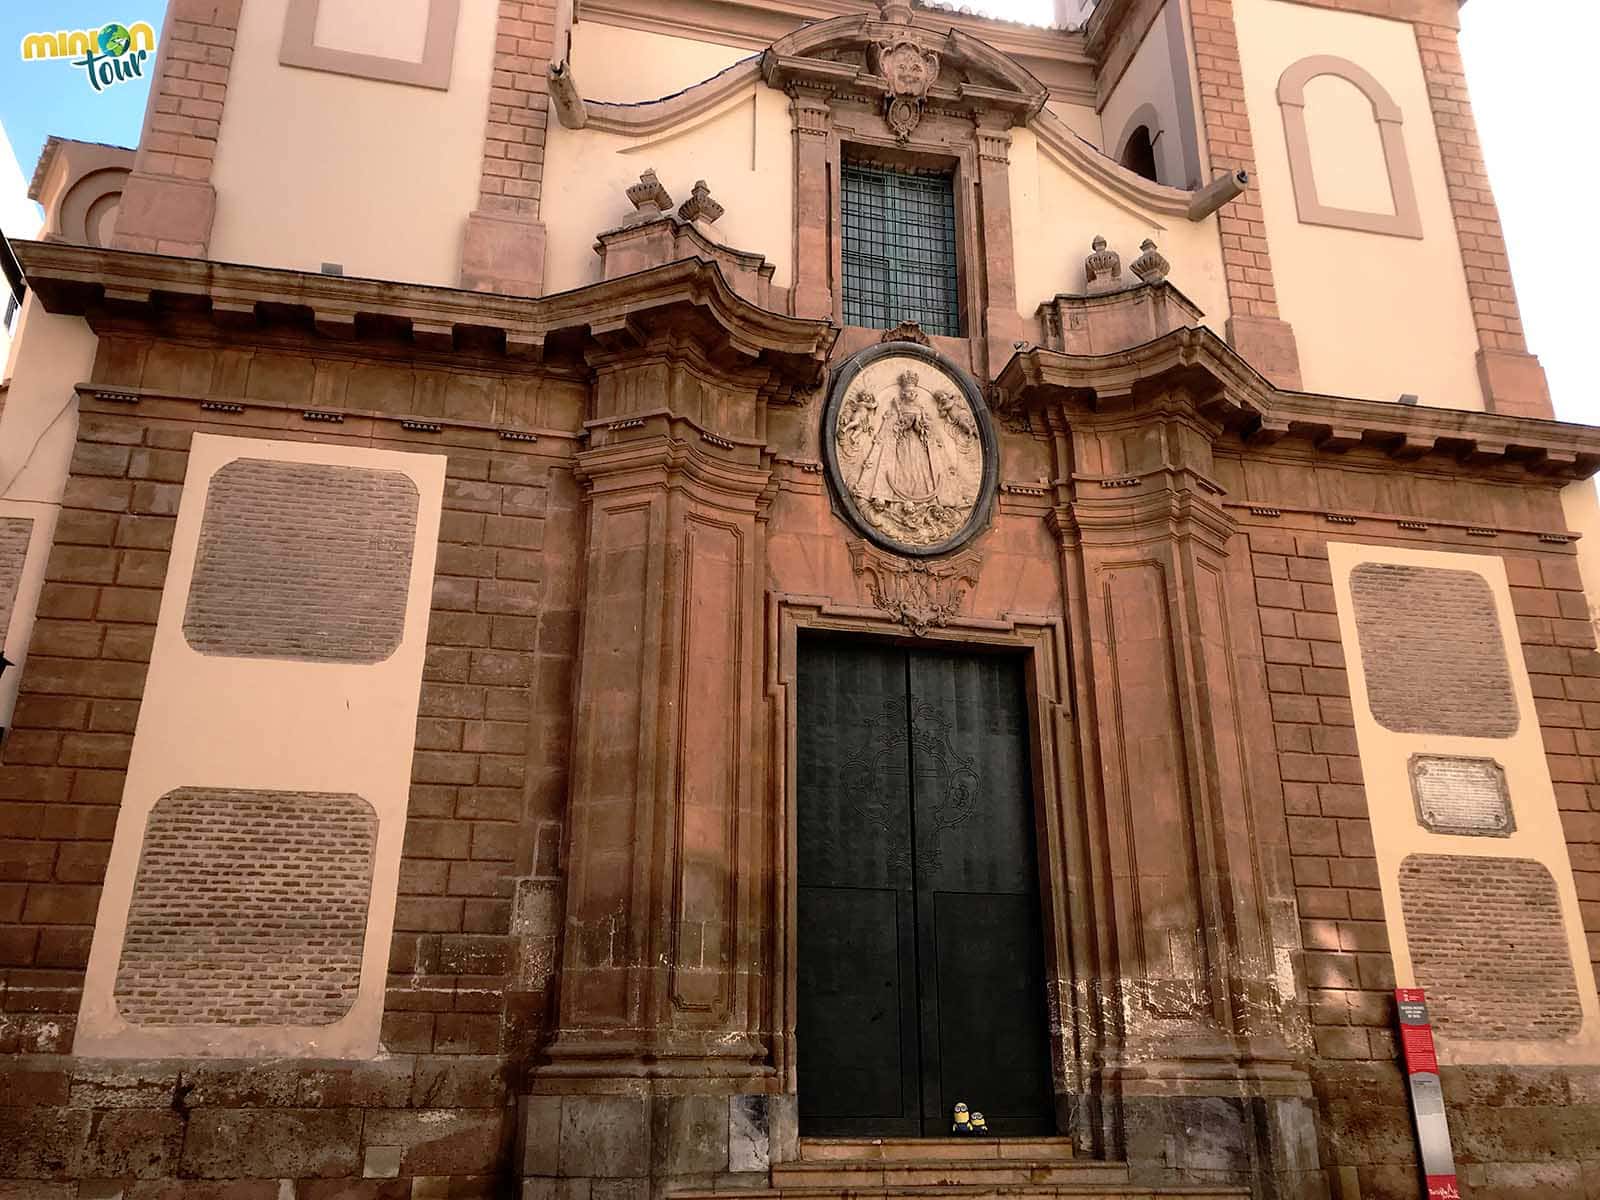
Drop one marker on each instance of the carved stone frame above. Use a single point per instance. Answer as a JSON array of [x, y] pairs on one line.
[[1061, 820], [1406, 220], [299, 48], [844, 504]]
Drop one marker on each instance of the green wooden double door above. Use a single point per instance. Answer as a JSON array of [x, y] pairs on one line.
[[921, 954]]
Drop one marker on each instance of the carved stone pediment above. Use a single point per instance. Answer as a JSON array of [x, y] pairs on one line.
[[904, 68]]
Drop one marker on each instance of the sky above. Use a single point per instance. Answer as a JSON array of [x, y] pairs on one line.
[[1528, 68]]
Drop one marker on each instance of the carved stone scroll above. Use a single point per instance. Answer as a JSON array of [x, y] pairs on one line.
[[920, 595]]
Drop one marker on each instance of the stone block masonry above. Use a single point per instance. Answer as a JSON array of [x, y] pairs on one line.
[[303, 561], [249, 908]]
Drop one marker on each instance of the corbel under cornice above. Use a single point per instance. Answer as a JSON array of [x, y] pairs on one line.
[[1241, 401], [101, 284]]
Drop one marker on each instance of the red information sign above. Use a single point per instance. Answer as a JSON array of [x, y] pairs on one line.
[[1427, 1097]]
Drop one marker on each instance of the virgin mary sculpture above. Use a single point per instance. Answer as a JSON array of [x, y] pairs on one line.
[[909, 456]]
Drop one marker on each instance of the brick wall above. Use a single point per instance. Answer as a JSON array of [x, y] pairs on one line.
[[1245, 259], [249, 908], [1432, 651], [1477, 217], [494, 698], [1461, 914], [15, 533], [519, 108], [303, 561], [62, 765]]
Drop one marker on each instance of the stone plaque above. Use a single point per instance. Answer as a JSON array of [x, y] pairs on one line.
[[910, 449], [1465, 796]]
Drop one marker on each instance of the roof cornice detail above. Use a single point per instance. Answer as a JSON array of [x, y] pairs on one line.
[[1241, 401], [93, 283]]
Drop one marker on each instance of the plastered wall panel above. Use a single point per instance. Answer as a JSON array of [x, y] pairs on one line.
[[743, 149], [1460, 905], [282, 748], [1402, 300], [1056, 214], [313, 166]]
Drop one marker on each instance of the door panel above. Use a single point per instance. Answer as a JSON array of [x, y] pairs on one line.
[[921, 972], [857, 987]]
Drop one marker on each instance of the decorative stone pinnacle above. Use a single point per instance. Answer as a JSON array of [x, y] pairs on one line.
[[896, 12], [700, 206], [649, 197], [1102, 270], [1150, 266]]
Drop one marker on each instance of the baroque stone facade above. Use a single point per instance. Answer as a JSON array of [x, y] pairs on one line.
[[403, 793]]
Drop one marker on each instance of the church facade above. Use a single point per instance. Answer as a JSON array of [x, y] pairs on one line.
[[626, 598]]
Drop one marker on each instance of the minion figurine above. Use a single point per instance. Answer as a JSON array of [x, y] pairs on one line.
[[979, 1125], [960, 1122]]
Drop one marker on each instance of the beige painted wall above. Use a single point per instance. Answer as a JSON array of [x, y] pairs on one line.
[[221, 722], [38, 427], [1375, 316], [1581, 504], [1081, 119], [623, 66], [1346, 149], [743, 149], [354, 26], [313, 167], [1056, 214], [1396, 831], [1149, 80]]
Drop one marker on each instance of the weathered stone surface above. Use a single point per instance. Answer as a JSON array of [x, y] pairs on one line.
[[605, 1137], [539, 1135], [383, 1084], [140, 1142], [353, 1189], [749, 1133], [440, 1141], [42, 1143], [35, 1080], [287, 1143], [555, 1189], [460, 1081], [689, 1134], [194, 1189], [122, 1083]]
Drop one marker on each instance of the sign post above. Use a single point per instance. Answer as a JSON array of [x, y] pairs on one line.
[[1427, 1097]]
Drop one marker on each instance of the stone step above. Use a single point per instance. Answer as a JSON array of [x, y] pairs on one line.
[[947, 1149], [1029, 1191], [858, 1175]]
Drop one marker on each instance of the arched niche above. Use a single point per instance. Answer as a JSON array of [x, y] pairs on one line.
[[1406, 219]]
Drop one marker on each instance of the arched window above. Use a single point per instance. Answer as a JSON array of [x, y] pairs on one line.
[[1406, 219], [1139, 154]]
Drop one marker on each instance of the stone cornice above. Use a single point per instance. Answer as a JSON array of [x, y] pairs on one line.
[[1228, 391], [97, 283]]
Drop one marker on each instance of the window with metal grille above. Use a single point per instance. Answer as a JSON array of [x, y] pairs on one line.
[[899, 249]]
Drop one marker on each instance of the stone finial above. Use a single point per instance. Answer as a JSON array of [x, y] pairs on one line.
[[649, 197], [700, 208], [1150, 266], [896, 12], [1102, 270]]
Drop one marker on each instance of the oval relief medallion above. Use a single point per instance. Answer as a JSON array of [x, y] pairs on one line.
[[909, 448]]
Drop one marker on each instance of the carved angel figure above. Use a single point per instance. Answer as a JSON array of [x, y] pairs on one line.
[[856, 420], [954, 411]]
